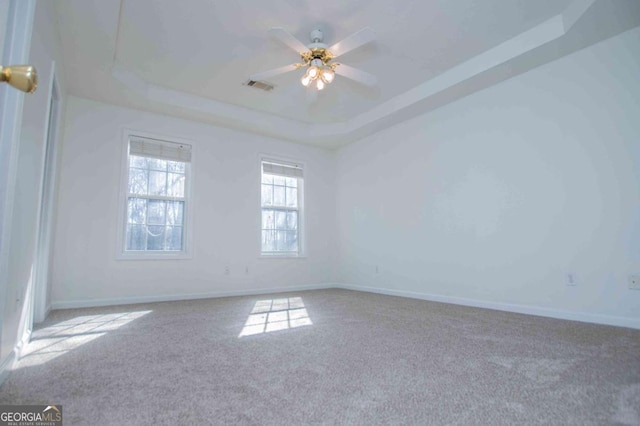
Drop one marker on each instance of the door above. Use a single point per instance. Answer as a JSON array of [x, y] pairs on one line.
[[16, 24], [4, 15]]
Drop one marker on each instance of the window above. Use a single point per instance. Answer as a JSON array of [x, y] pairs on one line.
[[156, 202], [281, 208]]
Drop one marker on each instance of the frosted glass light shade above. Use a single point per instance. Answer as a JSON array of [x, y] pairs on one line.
[[327, 75]]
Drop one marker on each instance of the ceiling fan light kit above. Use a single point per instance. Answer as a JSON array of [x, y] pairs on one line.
[[318, 71], [317, 58]]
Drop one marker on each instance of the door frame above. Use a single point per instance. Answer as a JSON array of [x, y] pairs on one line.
[[46, 203]]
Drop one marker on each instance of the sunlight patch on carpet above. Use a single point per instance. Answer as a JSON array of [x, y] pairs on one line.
[[276, 314], [58, 339]]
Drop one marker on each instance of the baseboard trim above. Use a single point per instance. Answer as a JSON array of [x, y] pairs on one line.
[[5, 366], [90, 303], [508, 307], [26, 338]]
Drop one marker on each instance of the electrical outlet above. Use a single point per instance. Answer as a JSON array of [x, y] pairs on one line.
[[634, 282], [246, 270], [571, 279], [227, 270]]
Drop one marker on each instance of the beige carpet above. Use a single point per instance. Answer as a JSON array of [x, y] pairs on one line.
[[328, 357]]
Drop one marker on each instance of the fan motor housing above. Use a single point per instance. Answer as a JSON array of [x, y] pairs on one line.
[[317, 49], [316, 36], [317, 52]]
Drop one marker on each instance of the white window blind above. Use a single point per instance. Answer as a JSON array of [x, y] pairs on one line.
[[285, 170], [162, 150]]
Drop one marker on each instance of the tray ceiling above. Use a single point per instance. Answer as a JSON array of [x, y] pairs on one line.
[[191, 58]]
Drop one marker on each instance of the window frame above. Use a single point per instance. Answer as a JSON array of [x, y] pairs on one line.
[[187, 233], [302, 252]]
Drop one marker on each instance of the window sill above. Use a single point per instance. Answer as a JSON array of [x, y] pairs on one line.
[[282, 256], [154, 256]]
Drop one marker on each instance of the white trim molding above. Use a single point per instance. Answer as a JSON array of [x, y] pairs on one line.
[[46, 201], [88, 303], [507, 307]]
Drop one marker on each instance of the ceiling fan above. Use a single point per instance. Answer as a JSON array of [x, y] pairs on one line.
[[317, 58]]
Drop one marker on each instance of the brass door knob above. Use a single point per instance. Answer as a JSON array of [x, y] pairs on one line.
[[22, 77]]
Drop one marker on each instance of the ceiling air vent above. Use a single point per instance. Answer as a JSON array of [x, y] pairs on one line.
[[259, 85]]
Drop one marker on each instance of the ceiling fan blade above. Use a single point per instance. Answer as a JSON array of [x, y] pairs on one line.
[[354, 41], [287, 38], [270, 73], [356, 75]]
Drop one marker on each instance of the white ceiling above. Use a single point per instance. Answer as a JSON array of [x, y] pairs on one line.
[[191, 58]]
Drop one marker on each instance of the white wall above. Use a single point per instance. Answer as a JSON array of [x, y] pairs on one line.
[[226, 205], [490, 201], [493, 199], [26, 202]]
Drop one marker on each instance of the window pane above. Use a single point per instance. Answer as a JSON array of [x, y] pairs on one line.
[[138, 181], [140, 162], [176, 166], [279, 180], [267, 178], [268, 241], [156, 164], [156, 212], [155, 237], [157, 183], [173, 238], [175, 213], [291, 241], [292, 197], [281, 219], [267, 195], [175, 185], [278, 195], [137, 211], [292, 182], [287, 241], [268, 219], [135, 237], [281, 243], [292, 221]]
